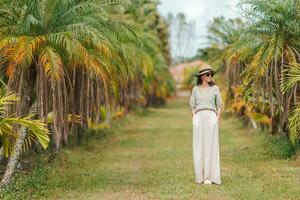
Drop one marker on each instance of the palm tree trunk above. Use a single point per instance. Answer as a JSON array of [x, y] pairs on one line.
[[276, 75], [26, 105], [57, 133], [65, 111], [13, 159], [1, 153], [271, 98], [295, 95]]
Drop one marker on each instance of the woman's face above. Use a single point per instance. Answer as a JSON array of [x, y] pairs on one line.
[[207, 77]]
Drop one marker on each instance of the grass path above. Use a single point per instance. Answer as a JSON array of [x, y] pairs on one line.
[[151, 158]]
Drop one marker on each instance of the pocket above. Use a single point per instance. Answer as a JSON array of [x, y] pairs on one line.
[[215, 119]]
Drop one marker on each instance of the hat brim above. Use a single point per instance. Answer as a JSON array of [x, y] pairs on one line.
[[205, 71]]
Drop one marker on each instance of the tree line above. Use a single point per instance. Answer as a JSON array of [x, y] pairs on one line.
[[259, 58], [67, 65]]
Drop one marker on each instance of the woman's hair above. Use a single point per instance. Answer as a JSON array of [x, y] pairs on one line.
[[199, 81]]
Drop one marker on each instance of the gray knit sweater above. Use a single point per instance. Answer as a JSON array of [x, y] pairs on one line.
[[210, 98]]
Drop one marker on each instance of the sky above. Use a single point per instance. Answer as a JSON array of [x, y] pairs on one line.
[[201, 11]]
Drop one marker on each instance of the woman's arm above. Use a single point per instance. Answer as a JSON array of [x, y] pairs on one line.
[[193, 101], [219, 112], [219, 102]]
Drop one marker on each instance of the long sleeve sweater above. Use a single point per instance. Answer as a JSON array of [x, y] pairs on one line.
[[210, 98]]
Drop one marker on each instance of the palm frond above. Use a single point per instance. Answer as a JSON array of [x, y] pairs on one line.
[[51, 62], [294, 125]]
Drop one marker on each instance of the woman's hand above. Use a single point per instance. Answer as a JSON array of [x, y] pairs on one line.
[[219, 113]]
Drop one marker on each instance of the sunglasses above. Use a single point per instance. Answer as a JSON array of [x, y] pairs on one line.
[[209, 74]]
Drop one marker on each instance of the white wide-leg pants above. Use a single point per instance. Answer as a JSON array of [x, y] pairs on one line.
[[206, 157]]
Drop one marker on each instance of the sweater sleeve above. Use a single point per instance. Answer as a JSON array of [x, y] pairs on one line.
[[193, 100], [219, 103]]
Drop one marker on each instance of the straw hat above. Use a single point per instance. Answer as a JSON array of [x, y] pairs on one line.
[[204, 69]]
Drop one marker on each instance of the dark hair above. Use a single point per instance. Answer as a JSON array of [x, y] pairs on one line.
[[199, 81]]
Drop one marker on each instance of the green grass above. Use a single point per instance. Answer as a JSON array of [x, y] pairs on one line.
[[150, 157]]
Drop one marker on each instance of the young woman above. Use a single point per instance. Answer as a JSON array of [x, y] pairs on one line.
[[206, 104]]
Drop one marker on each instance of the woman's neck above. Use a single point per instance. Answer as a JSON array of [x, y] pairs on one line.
[[204, 84]]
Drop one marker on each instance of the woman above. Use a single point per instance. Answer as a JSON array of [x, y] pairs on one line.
[[206, 105]]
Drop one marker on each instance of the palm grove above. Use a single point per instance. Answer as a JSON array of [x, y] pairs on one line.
[[260, 58], [67, 65]]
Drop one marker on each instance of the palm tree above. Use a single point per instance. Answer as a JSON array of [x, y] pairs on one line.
[[152, 31], [52, 52], [68, 58], [262, 57], [59, 48], [291, 82], [272, 41], [37, 131]]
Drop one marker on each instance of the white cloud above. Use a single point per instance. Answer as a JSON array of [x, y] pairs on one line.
[[191, 8], [202, 11]]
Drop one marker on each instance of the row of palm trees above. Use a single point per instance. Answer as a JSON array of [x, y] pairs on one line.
[[70, 60], [260, 56]]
